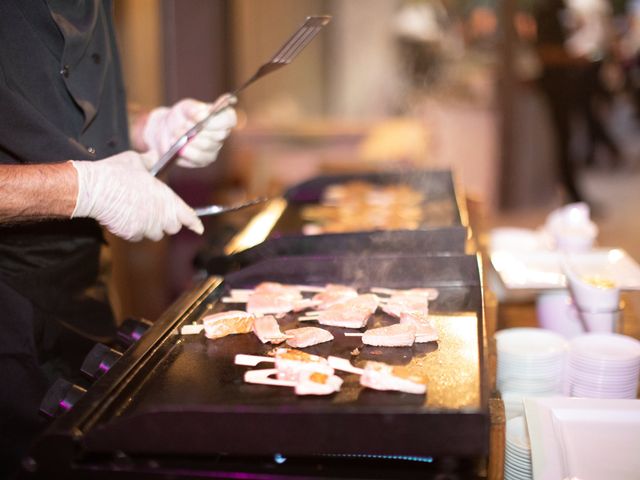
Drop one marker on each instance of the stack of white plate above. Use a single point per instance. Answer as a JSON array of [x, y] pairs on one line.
[[603, 365], [517, 453], [513, 404], [530, 361]]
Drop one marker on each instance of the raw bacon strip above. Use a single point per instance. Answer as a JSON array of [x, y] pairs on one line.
[[267, 330], [398, 335], [425, 330], [231, 322], [307, 336]]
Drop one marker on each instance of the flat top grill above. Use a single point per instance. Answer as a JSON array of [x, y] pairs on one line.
[[443, 228], [183, 395], [441, 206]]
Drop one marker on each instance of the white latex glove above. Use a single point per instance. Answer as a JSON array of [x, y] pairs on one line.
[[166, 124], [126, 199]]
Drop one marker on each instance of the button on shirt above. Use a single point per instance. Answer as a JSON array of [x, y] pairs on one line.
[[61, 98], [61, 92]]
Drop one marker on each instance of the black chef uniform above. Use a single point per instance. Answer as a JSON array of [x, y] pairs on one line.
[[61, 98]]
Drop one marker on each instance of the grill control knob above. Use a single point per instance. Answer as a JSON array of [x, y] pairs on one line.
[[99, 360], [60, 398], [131, 330]]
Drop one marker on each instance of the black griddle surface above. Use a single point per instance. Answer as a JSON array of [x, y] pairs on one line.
[[193, 399], [441, 205]]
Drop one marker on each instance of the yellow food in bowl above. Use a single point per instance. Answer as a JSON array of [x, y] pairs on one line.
[[598, 281]]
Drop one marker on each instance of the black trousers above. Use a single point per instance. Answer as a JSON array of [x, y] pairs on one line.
[[563, 92], [49, 320]]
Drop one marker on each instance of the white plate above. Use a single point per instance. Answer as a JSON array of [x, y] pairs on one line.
[[517, 434], [542, 270], [530, 343], [606, 347], [584, 438], [517, 239]]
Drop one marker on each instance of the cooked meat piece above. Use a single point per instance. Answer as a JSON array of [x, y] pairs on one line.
[[267, 330], [308, 383], [381, 376], [397, 335], [368, 301], [317, 383], [191, 329], [334, 294], [304, 304], [269, 304], [352, 313], [339, 317], [307, 336], [287, 291], [425, 330], [397, 304], [222, 324], [363, 206], [290, 363]]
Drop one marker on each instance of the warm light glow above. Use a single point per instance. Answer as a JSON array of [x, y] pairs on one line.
[[454, 368], [615, 255], [258, 228]]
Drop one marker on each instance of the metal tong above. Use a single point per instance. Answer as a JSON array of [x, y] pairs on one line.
[[287, 52], [218, 209]]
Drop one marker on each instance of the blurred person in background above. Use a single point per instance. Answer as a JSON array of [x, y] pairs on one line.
[[592, 38], [629, 54], [565, 63], [67, 168], [421, 29]]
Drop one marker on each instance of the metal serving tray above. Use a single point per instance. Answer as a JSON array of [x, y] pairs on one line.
[[173, 396]]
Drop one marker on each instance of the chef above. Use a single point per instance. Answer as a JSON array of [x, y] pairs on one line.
[[68, 166]]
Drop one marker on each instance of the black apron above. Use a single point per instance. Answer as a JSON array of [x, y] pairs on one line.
[[61, 98]]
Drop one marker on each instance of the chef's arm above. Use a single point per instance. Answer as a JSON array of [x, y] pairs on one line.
[[31, 192], [117, 191]]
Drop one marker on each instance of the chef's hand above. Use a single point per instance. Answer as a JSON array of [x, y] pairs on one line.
[[166, 124], [126, 199]]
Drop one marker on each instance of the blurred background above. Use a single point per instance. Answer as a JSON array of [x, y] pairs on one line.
[[491, 89]]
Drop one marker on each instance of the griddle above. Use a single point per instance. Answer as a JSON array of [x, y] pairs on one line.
[[428, 241], [174, 398], [444, 228], [442, 205]]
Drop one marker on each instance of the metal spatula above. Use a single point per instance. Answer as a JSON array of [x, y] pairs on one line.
[[218, 209], [287, 52]]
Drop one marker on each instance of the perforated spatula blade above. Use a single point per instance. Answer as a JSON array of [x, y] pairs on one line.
[[292, 47]]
